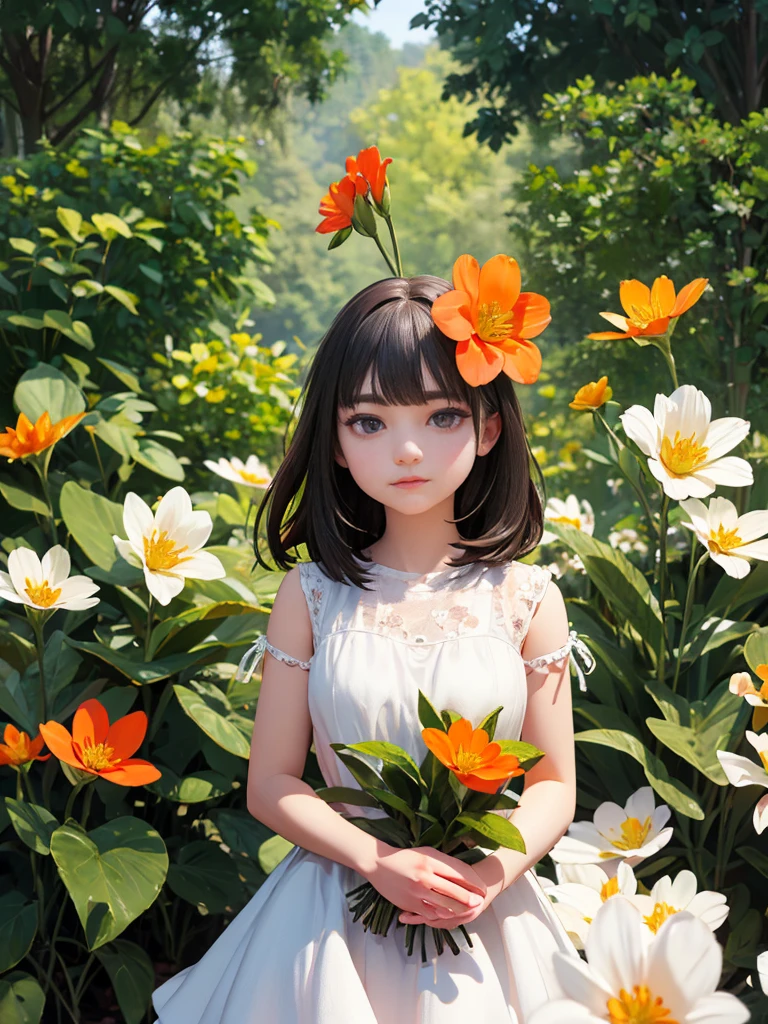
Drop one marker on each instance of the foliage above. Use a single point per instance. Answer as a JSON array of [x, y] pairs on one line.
[[512, 52], [67, 63]]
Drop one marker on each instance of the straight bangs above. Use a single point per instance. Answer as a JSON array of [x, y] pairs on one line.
[[387, 332]]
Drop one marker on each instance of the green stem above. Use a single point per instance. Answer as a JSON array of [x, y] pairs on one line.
[[688, 608], [104, 484], [42, 472], [661, 662], [387, 257], [86, 806], [395, 246], [36, 621], [638, 490], [73, 796], [148, 631]]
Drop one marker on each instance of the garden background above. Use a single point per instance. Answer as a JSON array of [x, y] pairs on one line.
[[160, 171]]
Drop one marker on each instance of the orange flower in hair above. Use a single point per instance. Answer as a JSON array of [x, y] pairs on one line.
[[492, 321]]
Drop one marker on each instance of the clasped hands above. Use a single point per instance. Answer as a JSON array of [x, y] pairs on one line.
[[473, 892]]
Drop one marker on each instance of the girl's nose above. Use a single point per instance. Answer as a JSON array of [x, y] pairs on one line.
[[408, 452]]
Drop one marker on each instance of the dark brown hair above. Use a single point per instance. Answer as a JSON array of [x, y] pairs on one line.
[[387, 328]]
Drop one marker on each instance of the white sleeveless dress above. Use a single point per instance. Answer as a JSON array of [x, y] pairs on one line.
[[294, 955]]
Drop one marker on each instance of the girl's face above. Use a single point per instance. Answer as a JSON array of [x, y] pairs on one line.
[[382, 444]]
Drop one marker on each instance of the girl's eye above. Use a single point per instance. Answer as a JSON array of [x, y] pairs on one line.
[[453, 416]]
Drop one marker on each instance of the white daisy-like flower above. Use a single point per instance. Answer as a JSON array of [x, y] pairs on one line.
[[762, 971], [685, 447], [731, 539], [46, 584], [571, 512], [741, 684], [252, 472], [632, 833], [167, 545], [743, 772], [581, 891], [668, 898], [669, 980], [627, 540]]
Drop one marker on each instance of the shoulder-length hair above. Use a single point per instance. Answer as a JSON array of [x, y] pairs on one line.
[[387, 328]]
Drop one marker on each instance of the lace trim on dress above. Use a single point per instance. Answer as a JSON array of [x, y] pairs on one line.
[[255, 653], [520, 592], [313, 585], [573, 644]]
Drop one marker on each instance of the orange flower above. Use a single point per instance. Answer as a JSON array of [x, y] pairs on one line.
[[369, 166], [337, 206], [649, 310], [592, 396], [18, 748], [29, 439], [492, 321], [102, 749], [476, 763]]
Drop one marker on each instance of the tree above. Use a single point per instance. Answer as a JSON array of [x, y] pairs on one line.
[[513, 52], [66, 62]]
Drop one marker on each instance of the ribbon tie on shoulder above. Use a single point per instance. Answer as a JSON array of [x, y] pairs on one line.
[[574, 646]]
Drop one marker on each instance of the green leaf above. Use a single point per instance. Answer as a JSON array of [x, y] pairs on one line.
[[210, 709], [339, 238], [21, 999], [127, 299], [71, 221], [207, 878], [395, 802], [109, 226], [112, 873], [34, 825], [76, 330], [194, 788], [240, 831], [123, 374], [272, 851], [756, 649], [358, 768], [673, 792], [755, 858], [348, 795], [133, 667], [132, 975], [92, 520], [622, 585], [159, 459], [495, 827], [151, 273], [389, 753], [32, 323], [18, 497], [46, 389], [18, 927], [25, 245], [7, 286], [428, 716], [731, 594]]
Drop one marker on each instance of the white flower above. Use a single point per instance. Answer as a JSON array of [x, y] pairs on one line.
[[46, 584], [685, 448], [570, 512], [668, 898], [762, 971], [731, 539], [627, 540], [673, 978], [252, 473], [581, 891], [741, 684], [743, 772], [167, 545], [633, 832]]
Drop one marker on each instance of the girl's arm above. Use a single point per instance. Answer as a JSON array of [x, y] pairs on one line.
[[282, 734], [548, 802]]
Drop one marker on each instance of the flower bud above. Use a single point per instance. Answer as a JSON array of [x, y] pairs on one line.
[[363, 220], [385, 204]]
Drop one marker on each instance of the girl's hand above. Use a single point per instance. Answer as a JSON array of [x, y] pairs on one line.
[[428, 882], [455, 919]]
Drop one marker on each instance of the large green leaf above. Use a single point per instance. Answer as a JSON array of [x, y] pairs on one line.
[[190, 789], [112, 873], [390, 753], [92, 520], [494, 827], [132, 667], [756, 649], [34, 825], [731, 594], [132, 975], [46, 389], [677, 795], [241, 832], [173, 634], [348, 795], [21, 498], [622, 584], [159, 459], [210, 709], [18, 925], [207, 878], [272, 851], [21, 999], [123, 374], [76, 330]]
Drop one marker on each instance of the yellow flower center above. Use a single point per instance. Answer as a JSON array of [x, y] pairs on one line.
[[161, 553], [41, 594], [466, 761], [763, 755], [683, 455], [722, 540], [252, 478], [567, 520], [638, 1008], [661, 912], [610, 888], [634, 834], [98, 757], [493, 322]]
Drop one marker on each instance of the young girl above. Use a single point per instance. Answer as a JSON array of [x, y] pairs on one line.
[[413, 494]]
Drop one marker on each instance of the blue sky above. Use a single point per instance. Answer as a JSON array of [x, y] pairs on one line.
[[392, 18]]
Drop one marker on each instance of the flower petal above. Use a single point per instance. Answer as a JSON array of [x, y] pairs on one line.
[[127, 734], [90, 725], [466, 277], [689, 295], [728, 472], [477, 362], [685, 962], [524, 364], [719, 1008], [55, 565], [133, 772], [452, 315], [201, 566], [138, 521], [23, 565], [532, 314], [723, 435], [499, 282], [636, 299], [662, 296], [615, 945], [641, 427], [741, 771], [173, 511], [59, 742], [163, 587]]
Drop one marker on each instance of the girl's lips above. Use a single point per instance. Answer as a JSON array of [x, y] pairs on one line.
[[410, 483]]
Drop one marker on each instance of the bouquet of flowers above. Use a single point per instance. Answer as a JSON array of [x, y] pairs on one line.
[[445, 802]]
